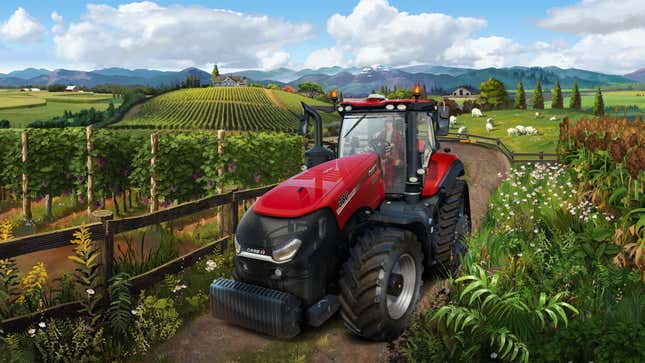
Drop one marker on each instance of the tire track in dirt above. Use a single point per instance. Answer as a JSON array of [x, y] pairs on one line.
[[205, 339]]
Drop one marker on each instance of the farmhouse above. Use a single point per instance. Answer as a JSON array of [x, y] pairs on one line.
[[72, 89], [30, 90], [461, 92], [230, 81]]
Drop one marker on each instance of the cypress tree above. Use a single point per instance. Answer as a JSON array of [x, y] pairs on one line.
[[556, 96], [598, 104], [538, 97], [520, 96], [424, 92], [575, 102]]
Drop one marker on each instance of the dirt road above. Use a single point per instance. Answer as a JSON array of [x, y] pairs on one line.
[[206, 339]]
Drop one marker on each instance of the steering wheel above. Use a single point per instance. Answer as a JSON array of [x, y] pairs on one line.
[[378, 146]]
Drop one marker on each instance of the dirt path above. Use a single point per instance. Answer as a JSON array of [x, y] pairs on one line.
[[206, 339]]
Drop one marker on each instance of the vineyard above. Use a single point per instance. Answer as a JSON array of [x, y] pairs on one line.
[[230, 108], [188, 166]]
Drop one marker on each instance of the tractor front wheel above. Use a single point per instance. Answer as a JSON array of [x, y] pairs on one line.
[[381, 283]]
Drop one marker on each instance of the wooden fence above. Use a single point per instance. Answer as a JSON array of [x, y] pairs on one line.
[[498, 144], [103, 233]]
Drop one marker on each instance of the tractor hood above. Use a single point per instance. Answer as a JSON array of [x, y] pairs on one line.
[[332, 184]]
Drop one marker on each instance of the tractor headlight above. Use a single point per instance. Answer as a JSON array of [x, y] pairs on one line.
[[287, 251], [348, 108], [389, 107], [238, 247], [401, 107], [340, 108]]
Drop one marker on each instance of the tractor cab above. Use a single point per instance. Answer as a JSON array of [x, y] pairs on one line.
[[402, 132]]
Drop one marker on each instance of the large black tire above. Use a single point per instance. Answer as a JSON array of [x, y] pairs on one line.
[[452, 227], [365, 283]]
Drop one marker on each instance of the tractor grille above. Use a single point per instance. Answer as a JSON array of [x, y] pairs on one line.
[[268, 311]]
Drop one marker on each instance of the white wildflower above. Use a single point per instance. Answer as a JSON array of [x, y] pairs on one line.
[[90, 291], [31, 331], [42, 324]]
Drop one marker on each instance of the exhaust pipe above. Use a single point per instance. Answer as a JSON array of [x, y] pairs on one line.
[[317, 154]]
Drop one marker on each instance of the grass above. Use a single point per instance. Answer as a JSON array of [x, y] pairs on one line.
[[292, 102], [547, 141], [22, 108]]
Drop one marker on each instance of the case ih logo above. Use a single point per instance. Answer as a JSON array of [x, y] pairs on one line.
[[256, 251], [343, 199]]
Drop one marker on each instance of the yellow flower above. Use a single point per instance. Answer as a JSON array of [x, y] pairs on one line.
[[6, 230], [35, 278]]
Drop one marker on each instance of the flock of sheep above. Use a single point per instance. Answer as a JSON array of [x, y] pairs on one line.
[[490, 126]]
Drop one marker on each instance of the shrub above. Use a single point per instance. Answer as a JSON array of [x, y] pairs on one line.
[[155, 321], [67, 340]]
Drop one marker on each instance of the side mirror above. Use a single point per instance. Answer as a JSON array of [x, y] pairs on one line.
[[443, 123]]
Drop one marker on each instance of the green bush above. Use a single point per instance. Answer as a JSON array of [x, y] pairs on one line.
[[67, 340], [156, 320]]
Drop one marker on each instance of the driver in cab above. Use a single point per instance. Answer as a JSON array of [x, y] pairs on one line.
[[392, 152]]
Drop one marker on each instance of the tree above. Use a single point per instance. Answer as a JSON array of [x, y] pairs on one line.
[[575, 102], [598, 104], [556, 96], [214, 74], [4, 124], [520, 96], [424, 92], [289, 89], [538, 97], [273, 86], [493, 94], [311, 89]]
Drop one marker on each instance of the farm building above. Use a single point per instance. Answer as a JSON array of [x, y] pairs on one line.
[[30, 90], [230, 81], [461, 92], [72, 89]]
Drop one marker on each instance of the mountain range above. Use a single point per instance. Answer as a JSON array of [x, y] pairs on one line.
[[352, 81]]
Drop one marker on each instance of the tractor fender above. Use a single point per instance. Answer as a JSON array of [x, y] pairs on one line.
[[442, 171], [416, 218]]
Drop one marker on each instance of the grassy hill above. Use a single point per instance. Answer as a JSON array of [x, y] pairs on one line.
[[22, 108], [229, 108]]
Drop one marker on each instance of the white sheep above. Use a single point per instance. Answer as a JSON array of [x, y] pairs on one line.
[[520, 129], [553, 118], [489, 120], [489, 127], [453, 121], [537, 114], [476, 112], [463, 130], [530, 130]]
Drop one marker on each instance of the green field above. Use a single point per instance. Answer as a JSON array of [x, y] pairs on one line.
[[546, 141], [22, 108], [229, 108]]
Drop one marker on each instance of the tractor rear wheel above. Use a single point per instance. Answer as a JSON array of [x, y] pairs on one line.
[[453, 225], [381, 283]]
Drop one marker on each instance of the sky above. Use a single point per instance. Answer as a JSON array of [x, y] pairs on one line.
[[600, 35]]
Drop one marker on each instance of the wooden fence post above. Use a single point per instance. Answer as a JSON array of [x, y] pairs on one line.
[[154, 199], [90, 170], [26, 198], [107, 248], [220, 184]]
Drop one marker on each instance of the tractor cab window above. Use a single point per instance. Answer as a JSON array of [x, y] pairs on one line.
[[426, 142], [381, 133]]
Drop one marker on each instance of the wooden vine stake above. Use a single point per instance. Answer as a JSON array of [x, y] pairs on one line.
[[90, 171], [154, 199], [220, 184], [26, 198]]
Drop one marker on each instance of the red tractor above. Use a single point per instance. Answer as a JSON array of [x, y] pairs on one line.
[[355, 231]]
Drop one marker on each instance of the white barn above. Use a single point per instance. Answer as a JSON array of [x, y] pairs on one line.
[[461, 92]]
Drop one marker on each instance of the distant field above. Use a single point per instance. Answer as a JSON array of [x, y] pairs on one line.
[[231, 108], [22, 108], [547, 141]]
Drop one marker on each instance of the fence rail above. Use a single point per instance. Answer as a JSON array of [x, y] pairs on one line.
[[104, 232], [498, 144]]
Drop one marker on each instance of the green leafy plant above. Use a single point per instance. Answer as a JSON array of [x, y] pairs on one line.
[[134, 261], [156, 320], [86, 260], [9, 288], [120, 310], [66, 340], [487, 316]]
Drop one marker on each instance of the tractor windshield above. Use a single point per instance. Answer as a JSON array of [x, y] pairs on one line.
[[381, 133]]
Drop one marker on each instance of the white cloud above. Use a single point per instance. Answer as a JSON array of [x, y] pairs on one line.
[[376, 32], [59, 25], [596, 17], [611, 35], [325, 57], [145, 34], [21, 27]]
